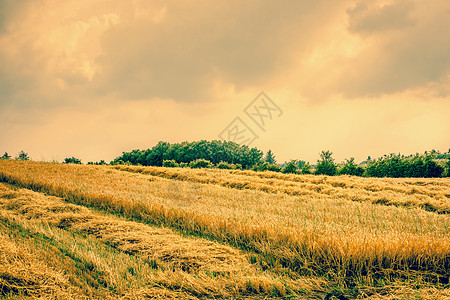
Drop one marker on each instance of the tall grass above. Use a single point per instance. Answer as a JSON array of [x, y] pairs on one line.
[[318, 234]]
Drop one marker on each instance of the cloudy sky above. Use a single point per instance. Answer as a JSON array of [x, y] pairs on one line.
[[91, 79]]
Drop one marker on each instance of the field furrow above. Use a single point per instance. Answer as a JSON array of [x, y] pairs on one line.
[[323, 236], [428, 194], [151, 260]]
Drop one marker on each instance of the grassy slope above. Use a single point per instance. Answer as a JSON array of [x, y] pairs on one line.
[[326, 234]]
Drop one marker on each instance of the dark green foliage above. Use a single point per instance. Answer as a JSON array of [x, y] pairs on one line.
[[102, 162], [170, 163], [200, 163], [447, 166], [270, 158], [396, 165], [326, 164], [274, 168], [301, 164], [262, 166], [5, 156], [291, 167], [72, 160], [23, 156], [306, 169], [114, 162], [185, 152], [265, 166], [351, 168]]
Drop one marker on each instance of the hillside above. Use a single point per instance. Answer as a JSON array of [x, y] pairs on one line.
[[76, 231]]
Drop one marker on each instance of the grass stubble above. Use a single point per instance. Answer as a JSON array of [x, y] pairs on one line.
[[120, 258], [346, 245]]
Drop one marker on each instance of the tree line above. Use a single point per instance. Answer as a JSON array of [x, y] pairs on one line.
[[230, 155], [215, 152]]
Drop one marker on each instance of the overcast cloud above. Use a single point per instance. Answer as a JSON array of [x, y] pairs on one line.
[[94, 78]]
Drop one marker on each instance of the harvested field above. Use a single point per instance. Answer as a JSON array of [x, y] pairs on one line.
[[235, 234]]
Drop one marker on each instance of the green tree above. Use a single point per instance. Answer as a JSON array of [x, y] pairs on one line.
[[447, 166], [5, 156], [351, 168], [156, 155], [326, 164], [23, 156], [290, 167], [270, 158], [301, 163], [306, 169]]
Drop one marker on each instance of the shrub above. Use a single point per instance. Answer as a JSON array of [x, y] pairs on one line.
[[291, 167], [398, 166], [225, 165], [326, 164], [23, 156], [183, 165], [350, 168], [260, 166], [170, 163], [306, 169], [5, 156], [273, 168], [238, 166], [72, 160], [102, 162], [200, 163], [447, 166]]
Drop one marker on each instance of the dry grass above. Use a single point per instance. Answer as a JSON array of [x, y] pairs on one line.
[[428, 194], [21, 274], [175, 265], [328, 230]]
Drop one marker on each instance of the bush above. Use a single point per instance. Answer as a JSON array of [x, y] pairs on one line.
[[183, 165], [260, 167], [306, 169], [23, 156], [5, 156], [170, 163], [225, 166], [398, 166], [291, 167], [102, 162], [447, 166], [350, 168], [200, 163], [72, 160], [273, 168], [326, 164]]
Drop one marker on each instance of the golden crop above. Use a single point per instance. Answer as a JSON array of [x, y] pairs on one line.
[[347, 230]]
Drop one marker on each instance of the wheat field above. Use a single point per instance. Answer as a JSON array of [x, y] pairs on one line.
[[177, 233]]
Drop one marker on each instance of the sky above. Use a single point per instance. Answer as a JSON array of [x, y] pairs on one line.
[[92, 79]]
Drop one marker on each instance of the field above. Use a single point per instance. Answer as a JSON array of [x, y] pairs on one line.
[[109, 232]]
